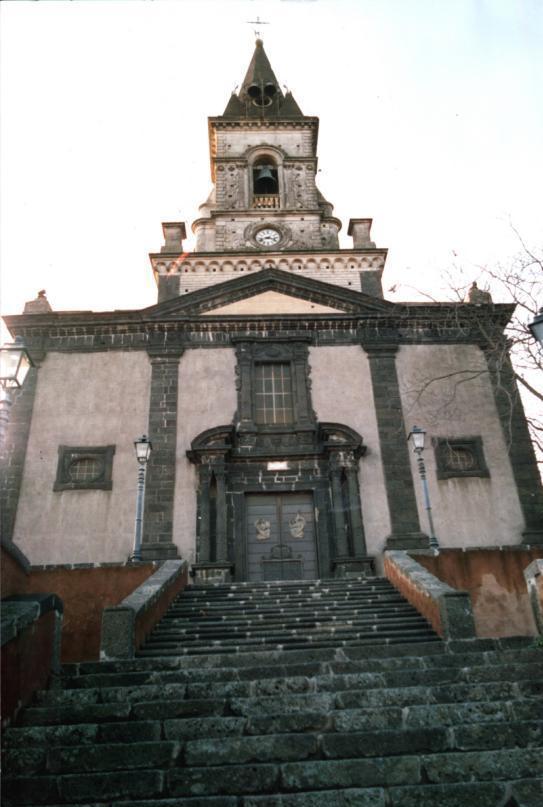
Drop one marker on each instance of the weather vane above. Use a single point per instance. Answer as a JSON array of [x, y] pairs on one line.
[[258, 21]]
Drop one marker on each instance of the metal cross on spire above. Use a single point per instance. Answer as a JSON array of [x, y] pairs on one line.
[[258, 21]]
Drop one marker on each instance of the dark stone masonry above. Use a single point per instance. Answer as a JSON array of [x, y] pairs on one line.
[[289, 695]]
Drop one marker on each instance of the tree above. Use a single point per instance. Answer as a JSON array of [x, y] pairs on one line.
[[514, 355]]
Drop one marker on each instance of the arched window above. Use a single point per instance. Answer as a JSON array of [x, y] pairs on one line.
[[265, 183]]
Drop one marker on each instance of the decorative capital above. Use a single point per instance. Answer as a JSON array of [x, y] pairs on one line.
[[162, 345], [380, 348]]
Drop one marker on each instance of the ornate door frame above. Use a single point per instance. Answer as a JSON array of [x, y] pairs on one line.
[[229, 469]]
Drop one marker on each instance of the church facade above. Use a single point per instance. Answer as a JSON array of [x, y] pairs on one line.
[[277, 386]]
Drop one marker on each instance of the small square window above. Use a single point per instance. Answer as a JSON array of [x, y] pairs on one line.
[[459, 457], [84, 468]]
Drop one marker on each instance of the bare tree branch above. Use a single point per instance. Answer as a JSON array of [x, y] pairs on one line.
[[520, 282]]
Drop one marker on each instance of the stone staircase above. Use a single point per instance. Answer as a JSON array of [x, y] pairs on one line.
[[289, 695], [248, 616]]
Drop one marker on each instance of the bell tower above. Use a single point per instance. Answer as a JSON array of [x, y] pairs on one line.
[[265, 210], [263, 164]]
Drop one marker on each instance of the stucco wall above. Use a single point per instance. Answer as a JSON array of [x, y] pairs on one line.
[[93, 399], [495, 581], [207, 398], [468, 511], [342, 393]]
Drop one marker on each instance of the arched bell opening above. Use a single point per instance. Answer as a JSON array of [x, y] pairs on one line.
[[265, 183], [262, 94]]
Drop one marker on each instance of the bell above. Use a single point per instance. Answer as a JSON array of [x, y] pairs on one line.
[[265, 173]]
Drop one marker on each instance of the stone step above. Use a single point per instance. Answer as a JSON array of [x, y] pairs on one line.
[[234, 750], [300, 610], [307, 588], [272, 617], [295, 643], [295, 595], [341, 588], [288, 601], [145, 672], [277, 628], [270, 604], [199, 699], [248, 627], [524, 792], [275, 634], [265, 664], [395, 771], [265, 661], [342, 584], [390, 718], [169, 687]]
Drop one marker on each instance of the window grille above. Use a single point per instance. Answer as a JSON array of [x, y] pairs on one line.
[[273, 393]]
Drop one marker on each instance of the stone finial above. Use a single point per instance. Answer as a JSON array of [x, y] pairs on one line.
[[38, 306], [174, 233], [360, 230], [477, 296]]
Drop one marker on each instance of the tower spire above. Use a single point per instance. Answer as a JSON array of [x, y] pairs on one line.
[[260, 95]]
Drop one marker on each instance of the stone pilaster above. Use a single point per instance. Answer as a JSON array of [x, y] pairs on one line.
[[160, 486], [304, 413], [221, 536], [402, 504], [519, 444], [355, 513], [350, 560], [13, 453], [244, 386], [204, 521], [340, 528], [212, 567]]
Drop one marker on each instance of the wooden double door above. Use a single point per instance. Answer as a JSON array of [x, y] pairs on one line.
[[281, 543]]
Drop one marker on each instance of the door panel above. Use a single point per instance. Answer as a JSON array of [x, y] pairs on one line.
[[298, 530], [281, 537]]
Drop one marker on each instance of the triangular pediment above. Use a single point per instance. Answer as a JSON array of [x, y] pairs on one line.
[[272, 302], [270, 292]]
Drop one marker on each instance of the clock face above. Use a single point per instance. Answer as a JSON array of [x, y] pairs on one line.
[[267, 237]]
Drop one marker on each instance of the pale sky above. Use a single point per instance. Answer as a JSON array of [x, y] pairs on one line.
[[431, 123]]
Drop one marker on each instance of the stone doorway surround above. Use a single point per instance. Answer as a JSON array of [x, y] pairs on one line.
[[324, 465]]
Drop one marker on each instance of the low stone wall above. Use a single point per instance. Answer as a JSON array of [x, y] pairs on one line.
[[31, 629], [125, 626], [85, 590], [494, 578], [447, 609]]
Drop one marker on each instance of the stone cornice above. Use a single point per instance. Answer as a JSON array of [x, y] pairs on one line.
[[84, 331], [254, 260], [240, 124], [189, 319]]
